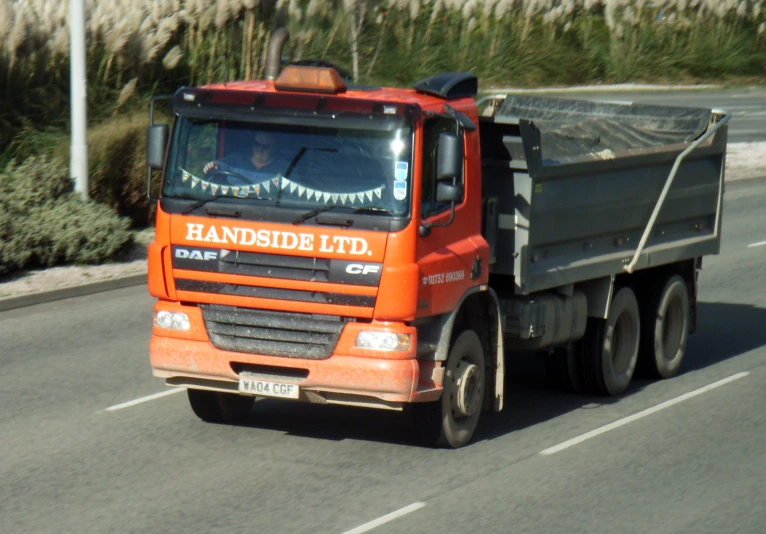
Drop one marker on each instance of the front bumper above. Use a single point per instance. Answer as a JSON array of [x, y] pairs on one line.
[[350, 376]]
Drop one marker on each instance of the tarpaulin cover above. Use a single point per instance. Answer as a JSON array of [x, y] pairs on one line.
[[572, 128]]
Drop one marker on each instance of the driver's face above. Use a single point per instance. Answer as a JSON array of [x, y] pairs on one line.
[[263, 148]]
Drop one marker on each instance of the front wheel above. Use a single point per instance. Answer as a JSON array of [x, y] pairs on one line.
[[215, 407], [452, 420]]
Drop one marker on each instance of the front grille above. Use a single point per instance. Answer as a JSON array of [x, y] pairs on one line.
[[305, 269], [237, 290], [272, 333], [275, 266]]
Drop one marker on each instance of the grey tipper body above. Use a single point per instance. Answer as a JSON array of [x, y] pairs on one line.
[[570, 188], [565, 218]]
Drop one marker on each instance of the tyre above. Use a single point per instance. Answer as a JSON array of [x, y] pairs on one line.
[[452, 420], [609, 350], [665, 330], [215, 407]]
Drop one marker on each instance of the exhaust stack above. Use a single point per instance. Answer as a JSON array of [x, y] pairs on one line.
[[274, 55]]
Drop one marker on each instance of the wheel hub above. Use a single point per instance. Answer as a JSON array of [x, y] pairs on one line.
[[467, 398]]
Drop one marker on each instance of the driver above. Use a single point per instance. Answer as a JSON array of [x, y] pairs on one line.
[[260, 160]]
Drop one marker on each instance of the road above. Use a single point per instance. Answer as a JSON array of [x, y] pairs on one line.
[[681, 455]]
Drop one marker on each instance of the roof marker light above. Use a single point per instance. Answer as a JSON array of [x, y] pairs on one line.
[[310, 79]]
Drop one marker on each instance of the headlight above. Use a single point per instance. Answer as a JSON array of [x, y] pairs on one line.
[[171, 321], [383, 341]]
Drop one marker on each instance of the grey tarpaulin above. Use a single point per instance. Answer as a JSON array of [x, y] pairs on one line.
[[572, 128]]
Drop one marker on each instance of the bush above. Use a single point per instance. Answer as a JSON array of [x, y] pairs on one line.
[[44, 223], [117, 166]]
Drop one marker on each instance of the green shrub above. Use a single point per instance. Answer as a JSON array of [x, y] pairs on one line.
[[43, 223], [117, 166]]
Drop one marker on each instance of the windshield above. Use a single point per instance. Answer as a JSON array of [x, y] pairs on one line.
[[291, 166]]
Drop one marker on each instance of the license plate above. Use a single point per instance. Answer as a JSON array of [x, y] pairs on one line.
[[268, 389]]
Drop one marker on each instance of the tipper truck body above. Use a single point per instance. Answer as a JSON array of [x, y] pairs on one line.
[[407, 243]]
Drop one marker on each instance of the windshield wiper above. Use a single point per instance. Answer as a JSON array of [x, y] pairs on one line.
[[218, 210], [372, 209], [197, 204], [313, 213]]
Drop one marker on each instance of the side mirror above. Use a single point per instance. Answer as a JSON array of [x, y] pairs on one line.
[[156, 141], [449, 162], [449, 193]]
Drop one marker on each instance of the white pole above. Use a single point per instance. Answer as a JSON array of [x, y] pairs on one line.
[[78, 163]]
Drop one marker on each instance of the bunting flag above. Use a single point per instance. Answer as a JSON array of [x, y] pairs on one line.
[[283, 184]]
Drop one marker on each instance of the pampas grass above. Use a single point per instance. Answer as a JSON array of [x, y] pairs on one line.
[[163, 44]]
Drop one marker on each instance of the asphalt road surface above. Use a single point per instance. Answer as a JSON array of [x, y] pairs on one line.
[[87, 446]]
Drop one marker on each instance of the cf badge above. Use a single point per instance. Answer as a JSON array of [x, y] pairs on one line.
[[358, 268]]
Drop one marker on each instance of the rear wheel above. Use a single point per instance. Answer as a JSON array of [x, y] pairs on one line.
[[609, 350], [665, 330], [452, 420], [215, 407]]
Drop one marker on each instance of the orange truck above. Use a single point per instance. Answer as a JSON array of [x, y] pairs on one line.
[[392, 248]]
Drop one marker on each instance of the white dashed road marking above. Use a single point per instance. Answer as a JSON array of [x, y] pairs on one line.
[[144, 399], [640, 415], [386, 518]]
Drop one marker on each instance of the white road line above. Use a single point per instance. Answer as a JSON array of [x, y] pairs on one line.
[[386, 518], [144, 399], [758, 244], [635, 417]]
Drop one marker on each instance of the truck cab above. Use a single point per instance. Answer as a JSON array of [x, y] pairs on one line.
[[311, 279]]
